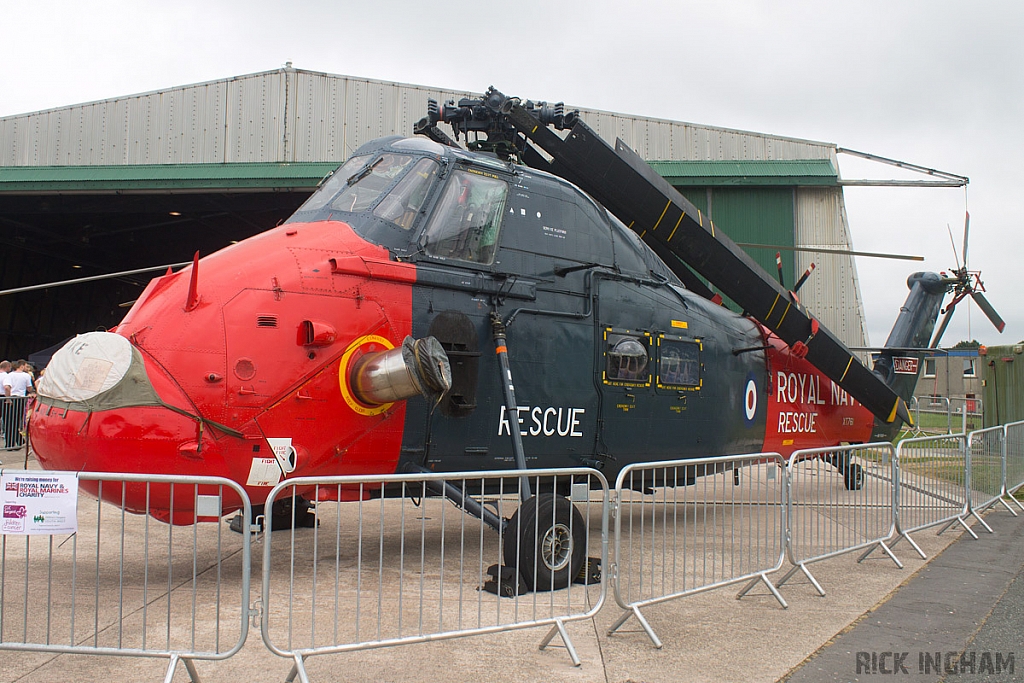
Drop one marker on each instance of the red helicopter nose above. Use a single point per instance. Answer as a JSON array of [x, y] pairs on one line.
[[103, 408]]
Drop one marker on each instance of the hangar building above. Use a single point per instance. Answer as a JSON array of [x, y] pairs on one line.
[[148, 180]]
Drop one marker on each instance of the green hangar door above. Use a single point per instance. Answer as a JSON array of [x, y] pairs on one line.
[[753, 215]]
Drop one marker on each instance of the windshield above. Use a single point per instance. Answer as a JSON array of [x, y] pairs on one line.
[[465, 223], [354, 187], [404, 202], [333, 183], [364, 187]]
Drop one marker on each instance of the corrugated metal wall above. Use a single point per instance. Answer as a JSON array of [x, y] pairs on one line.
[[275, 116], [833, 291], [672, 140], [290, 115]]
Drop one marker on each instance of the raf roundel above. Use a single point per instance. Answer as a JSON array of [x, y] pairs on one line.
[[750, 400]]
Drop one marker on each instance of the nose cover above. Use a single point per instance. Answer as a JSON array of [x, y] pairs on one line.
[[97, 371]]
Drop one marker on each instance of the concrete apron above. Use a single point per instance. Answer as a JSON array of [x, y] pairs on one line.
[[707, 637]]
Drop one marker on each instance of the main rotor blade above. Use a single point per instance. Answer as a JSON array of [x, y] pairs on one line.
[[967, 229], [629, 188], [987, 309], [683, 272], [826, 250], [942, 328]]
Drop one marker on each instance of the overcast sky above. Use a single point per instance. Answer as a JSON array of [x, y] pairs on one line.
[[938, 83]]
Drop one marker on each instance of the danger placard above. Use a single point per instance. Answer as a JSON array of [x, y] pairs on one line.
[[904, 365]]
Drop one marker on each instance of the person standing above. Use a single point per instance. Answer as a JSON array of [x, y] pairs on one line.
[[16, 383], [5, 403]]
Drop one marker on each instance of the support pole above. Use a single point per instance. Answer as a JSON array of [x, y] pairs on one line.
[[511, 407]]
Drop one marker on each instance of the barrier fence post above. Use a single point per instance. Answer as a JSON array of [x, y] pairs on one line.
[[124, 583], [13, 410], [932, 485], [687, 526], [851, 488], [914, 406], [399, 562], [986, 463], [1014, 478]]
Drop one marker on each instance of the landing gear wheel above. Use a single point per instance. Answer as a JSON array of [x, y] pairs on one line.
[[853, 477], [285, 515], [546, 541]]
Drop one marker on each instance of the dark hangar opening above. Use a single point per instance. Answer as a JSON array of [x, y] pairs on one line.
[[62, 223], [56, 236]]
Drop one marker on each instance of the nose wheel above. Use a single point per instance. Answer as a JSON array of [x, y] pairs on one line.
[[546, 540]]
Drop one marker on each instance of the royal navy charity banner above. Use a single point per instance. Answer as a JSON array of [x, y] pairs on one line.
[[38, 502]]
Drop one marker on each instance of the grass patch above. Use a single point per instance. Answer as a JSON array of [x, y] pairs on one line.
[[941, 423], [943, 468]]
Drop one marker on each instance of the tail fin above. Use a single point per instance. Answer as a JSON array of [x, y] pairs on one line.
[[899, 362]]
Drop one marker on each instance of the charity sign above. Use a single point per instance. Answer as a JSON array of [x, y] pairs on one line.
[[37, 503]]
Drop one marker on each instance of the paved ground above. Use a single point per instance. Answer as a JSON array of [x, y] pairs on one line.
[[946, 604], [958, 618]]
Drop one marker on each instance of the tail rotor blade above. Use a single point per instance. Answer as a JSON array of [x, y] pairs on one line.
[[987, 309], [952, 245], [803, 279], [967, 229], [942, 328]]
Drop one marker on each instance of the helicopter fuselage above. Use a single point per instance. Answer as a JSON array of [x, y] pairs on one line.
[[244, 365]]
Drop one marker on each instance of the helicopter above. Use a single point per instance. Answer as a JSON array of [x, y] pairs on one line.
[[532, 301]]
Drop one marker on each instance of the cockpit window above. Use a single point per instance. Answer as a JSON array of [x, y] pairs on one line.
[[333, 184], [404, 202], [468, 216], [365, 185]]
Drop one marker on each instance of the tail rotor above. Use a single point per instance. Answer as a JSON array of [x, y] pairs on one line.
[[963, 282]]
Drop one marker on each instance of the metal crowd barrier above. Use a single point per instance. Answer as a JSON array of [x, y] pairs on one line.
[[971, 413], [1014, 478], [931, 405], [840, 500], [126, 584], [967, 412], [409, 567], [932, 490], [914, 406], [688, 526], [13, 410], [939, 406], [986, 471]]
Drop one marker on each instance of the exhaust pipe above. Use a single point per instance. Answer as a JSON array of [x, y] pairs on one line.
[[418, 367]]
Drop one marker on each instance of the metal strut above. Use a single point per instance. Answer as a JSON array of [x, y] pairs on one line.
[[511, 409], [462, 500]]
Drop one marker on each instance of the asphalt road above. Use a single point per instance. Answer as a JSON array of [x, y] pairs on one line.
[[959, 618]]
